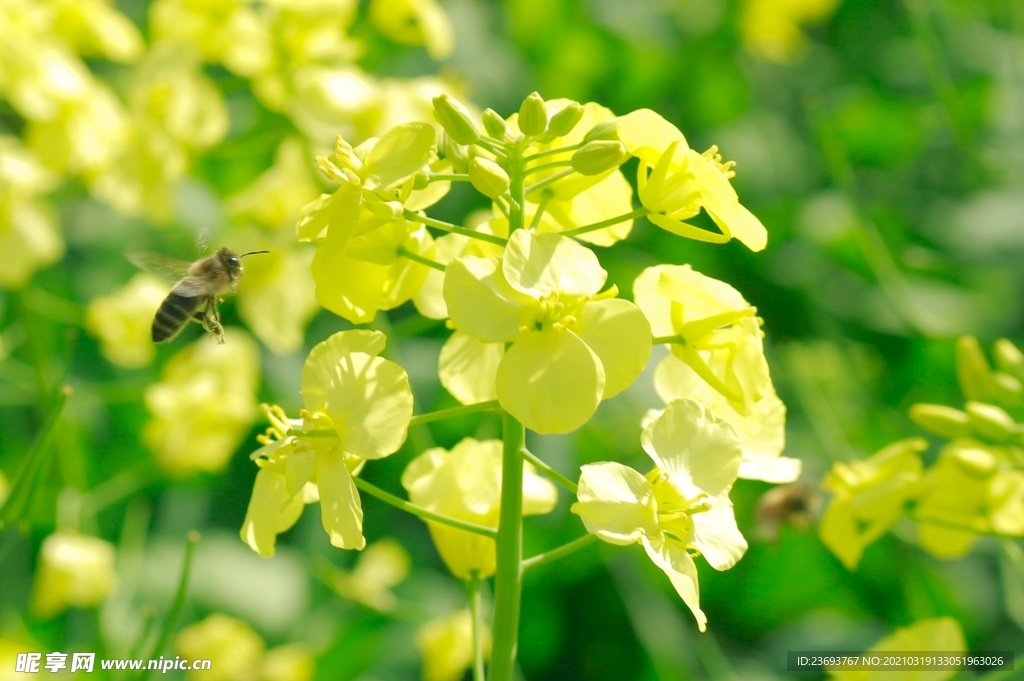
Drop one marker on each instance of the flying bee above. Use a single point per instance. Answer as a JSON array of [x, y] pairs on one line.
[[199, 287], [795, 505]]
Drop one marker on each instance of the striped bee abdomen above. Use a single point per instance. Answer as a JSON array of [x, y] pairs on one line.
[[173, 314]]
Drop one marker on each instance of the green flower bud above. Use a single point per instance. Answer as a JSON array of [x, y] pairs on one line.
[[605, 130], [991, 423], [1008, 358], [454, 153], [494, 124], [940, 420], [455, 119], [565, 120], [533, 116], [488, 177], [1007, 389], [972, 370], [599, 156], [421, 179], [386, 210], [975, 461]]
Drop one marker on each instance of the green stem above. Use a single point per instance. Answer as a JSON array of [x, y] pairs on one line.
[[508, 580], [33, 469], [416, 257], [179, 597], [454, 229], [475, 611], [632, 215], [663, 340], [494, 146], [561, 552], [548, 470], [454, 412], [551, 152], [148, 618], [548, 166], [541, 207], [421, 512], [549, 180], [449, 177]]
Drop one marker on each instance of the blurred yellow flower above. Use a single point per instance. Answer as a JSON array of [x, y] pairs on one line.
[[275, 199], [204, 404], [939, 635], [5, 488], [772, 28], [122, 321], [681, 507], [446, 645], [719, 333], [415, 22], [357, 407], [74, 571], [571, 344], [231, 645], [868, 498], [379, 568], [287, 663], [29, 235], [674, 182], [94, 28], [972, 489], [465, 483]]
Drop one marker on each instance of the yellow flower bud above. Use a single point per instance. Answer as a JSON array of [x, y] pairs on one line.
[[494, 124], [972, 369], [565, 120], [455, 119], [446, 645], [1009, 359], [1006, 388], [605, 130], [599, 156], [940, 420], [533, 116], [74, 571], [990, 422], [488, 177]]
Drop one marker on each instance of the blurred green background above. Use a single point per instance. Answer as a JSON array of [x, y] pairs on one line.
[[882, 144]]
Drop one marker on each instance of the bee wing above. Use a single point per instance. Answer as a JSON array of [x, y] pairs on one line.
[[191, 287], [168, 268]]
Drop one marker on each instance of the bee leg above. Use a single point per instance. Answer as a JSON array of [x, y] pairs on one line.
[[212, 321]]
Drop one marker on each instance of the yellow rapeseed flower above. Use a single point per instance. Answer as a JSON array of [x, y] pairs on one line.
[[465, 483], [29, 234], [378, 569], [446, 645], [74, 571], [232, 646], [415, 22], [357, 407], [122, 320], [772, 28], [204, 404], [678, 510], [571, 344], [869, 497], [939, 635], [676, 182]]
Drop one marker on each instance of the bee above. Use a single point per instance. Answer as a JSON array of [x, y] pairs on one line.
[[795, 505], [199, 287]]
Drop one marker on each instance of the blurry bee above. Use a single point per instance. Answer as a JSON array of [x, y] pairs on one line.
[[795, 505], [198, 289]]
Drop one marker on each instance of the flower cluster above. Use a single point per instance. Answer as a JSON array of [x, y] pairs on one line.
[[537, 332], [974, 487]]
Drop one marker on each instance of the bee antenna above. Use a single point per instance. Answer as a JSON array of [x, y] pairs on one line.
[[252, 253]]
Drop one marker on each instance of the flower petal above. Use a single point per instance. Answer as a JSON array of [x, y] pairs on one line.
[[468, 368], [545, 264], [271, 511], [616, 503], [673, 559], [340, 509], [551, 381], [370, 402], [399, 154], [319, 368], [618, 332], [481, 302], [716, 536], [694, 447], [647, 134]]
